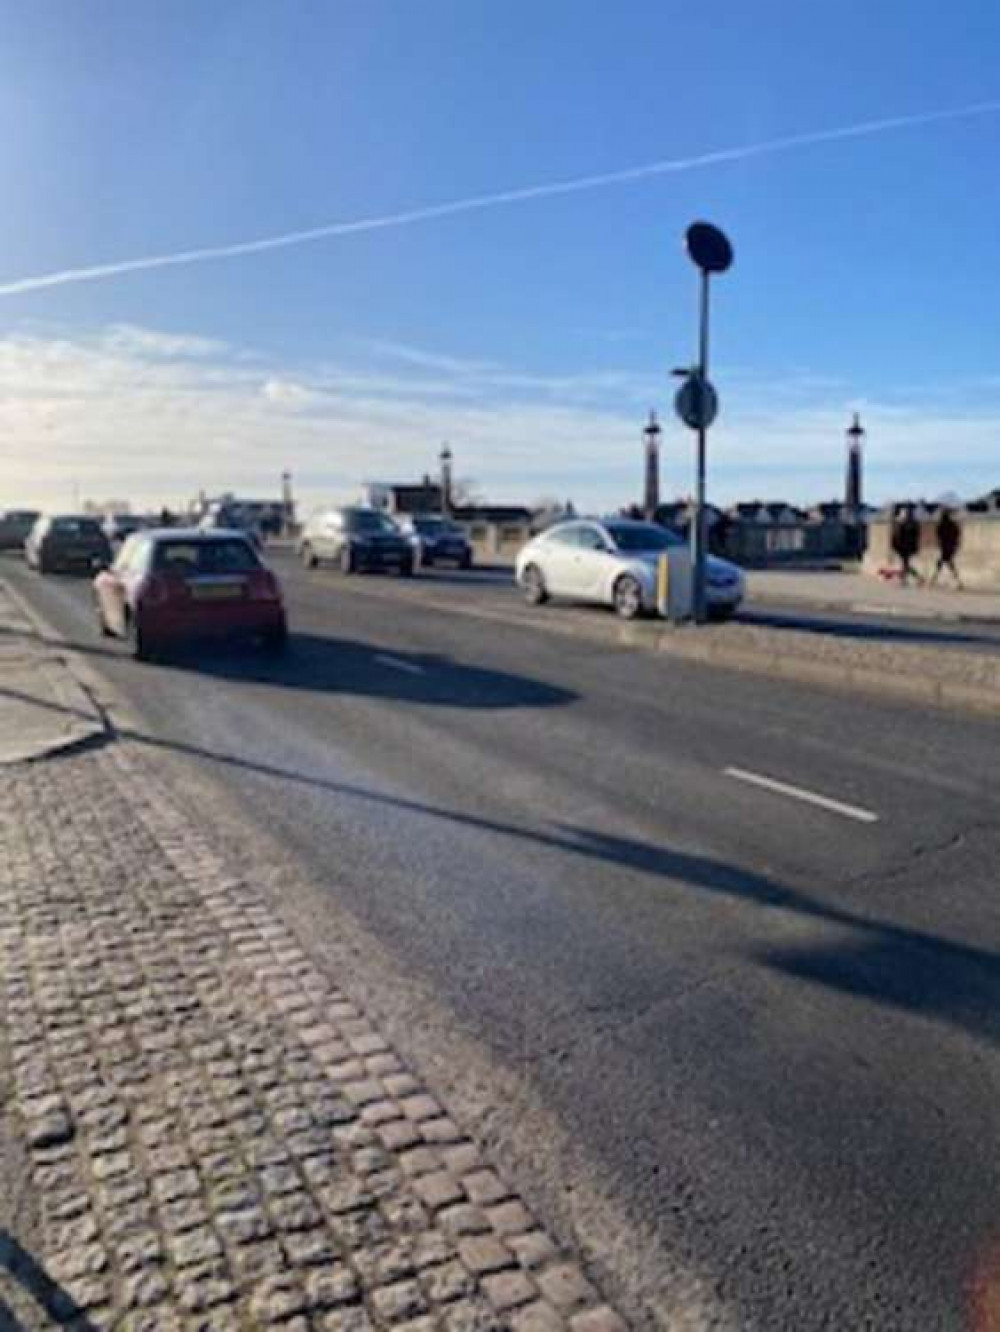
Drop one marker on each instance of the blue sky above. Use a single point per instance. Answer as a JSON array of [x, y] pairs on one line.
[[533, 336]]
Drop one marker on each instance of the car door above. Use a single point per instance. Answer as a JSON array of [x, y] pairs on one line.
[[322, 537], [590, 563], [555, 558]]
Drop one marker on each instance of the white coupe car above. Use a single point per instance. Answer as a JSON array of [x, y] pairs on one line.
[[613, 562]]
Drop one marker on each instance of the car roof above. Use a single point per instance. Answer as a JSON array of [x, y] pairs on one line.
[[194, 534]]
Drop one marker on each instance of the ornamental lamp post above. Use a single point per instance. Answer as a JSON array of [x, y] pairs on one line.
[[445, 458], [853, 489]]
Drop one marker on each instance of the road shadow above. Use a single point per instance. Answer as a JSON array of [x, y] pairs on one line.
[[28, 1273], [488, 575], [317, 664], [57, 642], [894, 966], [887, 964], [831, 627]]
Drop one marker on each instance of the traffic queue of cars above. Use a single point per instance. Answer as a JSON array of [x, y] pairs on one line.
[[168, 585]]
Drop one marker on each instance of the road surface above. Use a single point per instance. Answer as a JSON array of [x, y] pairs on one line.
[[720, 953]]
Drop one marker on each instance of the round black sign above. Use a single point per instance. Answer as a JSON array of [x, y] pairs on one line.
[[708, 247]]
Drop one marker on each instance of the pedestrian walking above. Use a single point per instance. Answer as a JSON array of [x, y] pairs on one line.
[[949, 539], [906, 544]]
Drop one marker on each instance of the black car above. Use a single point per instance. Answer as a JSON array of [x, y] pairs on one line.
[[67, 543], [438, 541], [15, 527], [356, 539]]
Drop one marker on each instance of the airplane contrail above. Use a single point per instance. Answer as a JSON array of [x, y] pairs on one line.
[[474, 203]]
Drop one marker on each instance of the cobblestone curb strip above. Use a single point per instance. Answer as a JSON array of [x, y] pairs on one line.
[[218, 1137]]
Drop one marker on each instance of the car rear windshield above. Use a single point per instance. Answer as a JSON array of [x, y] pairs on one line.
[[642, 536], [361, 520], [76, 527], [191, 558]]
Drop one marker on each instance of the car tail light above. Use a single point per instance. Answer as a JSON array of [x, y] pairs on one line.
[[263, 586]]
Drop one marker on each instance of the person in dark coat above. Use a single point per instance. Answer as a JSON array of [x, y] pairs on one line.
[[906, 543], [949, 539]]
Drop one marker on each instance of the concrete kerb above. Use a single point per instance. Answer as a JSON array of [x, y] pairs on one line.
[[913, 689], [686, 643], [67, 682]]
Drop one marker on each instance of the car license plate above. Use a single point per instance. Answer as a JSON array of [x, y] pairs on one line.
[[216, 591]]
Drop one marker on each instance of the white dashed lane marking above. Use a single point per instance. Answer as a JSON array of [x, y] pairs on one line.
[[398, 664], [800, 793]]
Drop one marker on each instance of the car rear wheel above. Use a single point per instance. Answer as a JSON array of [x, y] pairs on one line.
[[138, 641], [628, 597], [309, 557], [535, 590]]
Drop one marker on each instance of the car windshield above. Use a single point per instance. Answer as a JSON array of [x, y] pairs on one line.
[[642, 536], [76, 527], [191, 558], [367, 520]]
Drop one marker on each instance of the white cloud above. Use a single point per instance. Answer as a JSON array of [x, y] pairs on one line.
[[161, 416], [131, 340]]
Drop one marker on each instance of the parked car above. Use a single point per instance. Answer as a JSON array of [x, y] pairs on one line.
[[118, 526], [15, 527], [67, 543], [613, 562], [436, 540], [355, 538], [171, 586]]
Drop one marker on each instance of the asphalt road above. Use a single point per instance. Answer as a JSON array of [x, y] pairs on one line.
[[766, 1027]]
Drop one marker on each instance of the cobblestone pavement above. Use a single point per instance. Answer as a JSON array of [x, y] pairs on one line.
[[218, 1137]]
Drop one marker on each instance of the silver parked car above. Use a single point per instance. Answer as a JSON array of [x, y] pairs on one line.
[[613, 562]]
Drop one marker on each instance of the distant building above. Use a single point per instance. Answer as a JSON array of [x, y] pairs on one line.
[[392, 497]]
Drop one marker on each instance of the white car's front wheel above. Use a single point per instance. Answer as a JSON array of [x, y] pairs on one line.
[[533, 583], [628, 597]]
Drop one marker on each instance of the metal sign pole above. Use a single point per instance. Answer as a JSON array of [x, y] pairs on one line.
[[696, 402], [699, 527]]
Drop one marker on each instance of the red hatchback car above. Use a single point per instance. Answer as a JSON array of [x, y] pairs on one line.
[[171, 586]]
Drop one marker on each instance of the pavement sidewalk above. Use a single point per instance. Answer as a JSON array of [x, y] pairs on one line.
[[199, 1129], [865, 594], [43, 709]]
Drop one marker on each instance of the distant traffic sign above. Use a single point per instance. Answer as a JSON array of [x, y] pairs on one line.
[[708, 247], [697, 402]]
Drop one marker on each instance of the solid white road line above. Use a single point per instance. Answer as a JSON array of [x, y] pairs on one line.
[[797, 793], [398, 664]]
